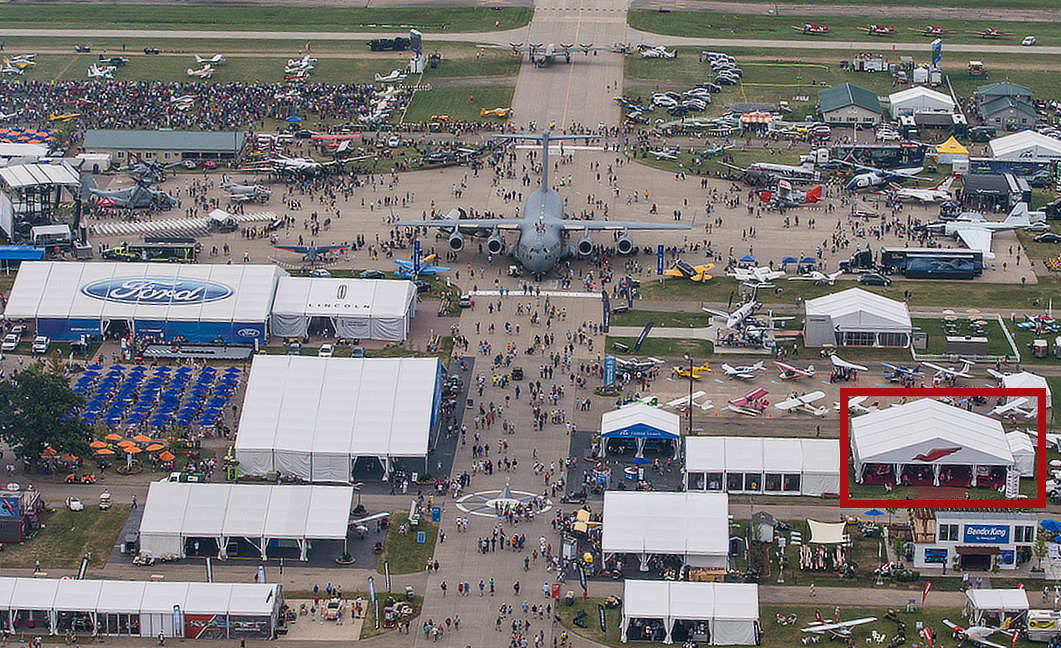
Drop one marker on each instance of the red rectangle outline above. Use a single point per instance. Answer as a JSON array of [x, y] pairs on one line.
[[934, 392]]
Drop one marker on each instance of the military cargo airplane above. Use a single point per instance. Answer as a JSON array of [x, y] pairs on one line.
[[542, 54]]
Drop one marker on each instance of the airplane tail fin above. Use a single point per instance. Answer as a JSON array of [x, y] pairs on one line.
[[818, 616], [813, 196], [947, 182], [1019, 211], [765, 196]]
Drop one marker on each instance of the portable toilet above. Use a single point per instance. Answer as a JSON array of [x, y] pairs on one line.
[[1057, 347], [1040, 348]]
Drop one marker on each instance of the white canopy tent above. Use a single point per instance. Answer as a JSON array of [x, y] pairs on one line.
[[826, 532], [1020, 444], [176, 512], [731, 610], [856, 317], [313, 417], [996, 604], [373, 309], [766, 465], [927, 432], [640, 422], [1026, 380], [694, 526]]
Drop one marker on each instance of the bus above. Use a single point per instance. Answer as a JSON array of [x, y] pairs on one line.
[[166, 251], [882, 156], [931, 261]]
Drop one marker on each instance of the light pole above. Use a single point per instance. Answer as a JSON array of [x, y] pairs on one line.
[[689, 405]]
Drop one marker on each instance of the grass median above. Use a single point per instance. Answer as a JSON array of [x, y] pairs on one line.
[[67, 536], [405, 554]]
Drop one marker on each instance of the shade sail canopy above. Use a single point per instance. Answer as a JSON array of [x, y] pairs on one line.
[[640, 421]]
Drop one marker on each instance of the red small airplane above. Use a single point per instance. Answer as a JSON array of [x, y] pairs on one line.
[[878, 30], [990, 32], [930, 30], [752, 403], [812, 28], [788, 372]]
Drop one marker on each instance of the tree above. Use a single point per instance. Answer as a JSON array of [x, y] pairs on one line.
[[35, 412], [1040, 549]]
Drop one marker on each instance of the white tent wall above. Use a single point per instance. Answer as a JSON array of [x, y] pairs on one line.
[[733, 633], [816, 461], [376, 309], [1023, 453]]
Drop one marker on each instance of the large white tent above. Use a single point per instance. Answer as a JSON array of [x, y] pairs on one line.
[[198, 303], [142, 609], [177, 512], [1020, 444], [1026, 145], [1026, 380], [640, 422], [856, 317], [730, 610], [995, 605], [764, 465], [373, 309], [694, 526], [927, 432], [313, 417], [919, 99]]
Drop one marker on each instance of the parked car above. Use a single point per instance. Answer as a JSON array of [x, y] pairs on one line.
[[320, 272], [11, 342], [1048, 237], [1028, 41], [326, 351], [874, 279], [74, 504], [40, 344], [294, 348], [465, 301], [372, 274], [357, 352], [209, 164]]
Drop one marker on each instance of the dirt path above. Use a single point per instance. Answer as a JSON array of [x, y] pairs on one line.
[[883, 11]]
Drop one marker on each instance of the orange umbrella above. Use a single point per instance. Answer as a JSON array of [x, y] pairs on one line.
[[142, 438], [155, 447], [70, 457], [133, 450], [97, 445], [113, 437], [49, 452], [104, 451], [125, 444], [166, 455]]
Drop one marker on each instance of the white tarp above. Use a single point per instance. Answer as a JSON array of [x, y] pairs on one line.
[[826, 532], [816, 461], [311, 417], [1020, 444], [115, 291], [730, 609], [374, 309], [177, 511], [692, 525]]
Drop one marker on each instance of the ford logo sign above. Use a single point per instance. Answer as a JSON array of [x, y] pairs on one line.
[[248, 333], [157, 290]]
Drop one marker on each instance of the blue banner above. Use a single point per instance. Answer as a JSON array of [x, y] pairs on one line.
[[609, 370], [937, 51], [659, 260], [372, 590], [416, 257], [986, 533]]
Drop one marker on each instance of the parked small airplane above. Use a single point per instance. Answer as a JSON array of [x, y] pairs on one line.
[[752, 403], [855, 406], [840, 363], [930, 30], [541, 54], [665, 154], [785, 196], [303, 166], [812, 28], [101, 72], [216, 59], [407, 271], [657, 52], [939, 193], [243, 192], [868, 176], [394, 76], [898, 372], [693, 373], [743, 372], [818, 277], [7, 68], [1015, 407], [312, 253], [633, 365], [838, 630], [975, 231], [978, 634], [9, 116], [951, 372], [698, 273], [737, 317], [788, 372], [804, 404], [204, 72], [758, 275], [990, 32], [64, 117], [494, 112], [113, 61], [878, 30], [22, 61], [762, 173]]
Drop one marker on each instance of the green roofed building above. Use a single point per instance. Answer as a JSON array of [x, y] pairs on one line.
[[849, 105], [165, 146]]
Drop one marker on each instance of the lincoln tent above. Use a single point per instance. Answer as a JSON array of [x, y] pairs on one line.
[[371, 309]]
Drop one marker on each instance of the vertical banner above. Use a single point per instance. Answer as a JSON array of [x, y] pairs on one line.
[[416, 258], [609, 371], [603, 620], [937, 51], [659, 259], [387, 574], [372, 590], [261, 574], [924, 593], [606, 318], [582, 577]]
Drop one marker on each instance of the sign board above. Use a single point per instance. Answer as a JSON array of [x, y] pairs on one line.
[[421, 537], [606, 318], [935, 555], [416, 257], [986, 534], [937, 51], [609, 371], [436, 514], [11, 506], [659, 259], [555, 591], [161, 291]]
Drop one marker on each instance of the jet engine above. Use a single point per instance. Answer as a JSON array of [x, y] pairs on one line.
[[456, 241], [495, 244], [585, 246], [625, 244]]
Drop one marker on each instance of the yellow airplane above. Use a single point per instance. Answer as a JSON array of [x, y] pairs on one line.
[[696, 371], [495, 112], [20, 63], [65, 117], [690, 272]]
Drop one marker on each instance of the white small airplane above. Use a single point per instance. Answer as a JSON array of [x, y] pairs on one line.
[[737, 317], [7, 68], [101, 72], [21, 59], [840, 629], [1015, 407], [216, 59], [939, 193], [393, 77], [855, 406], [803, 403], [759, 275], [818, 277], [952, 372], [9, 116], [840, 363], [746, 372], [664, 154], [978, 634], [657, 52], [680, 402], [204, 72], [361, 524], [788, 372]]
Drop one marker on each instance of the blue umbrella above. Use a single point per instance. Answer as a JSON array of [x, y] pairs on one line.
[[808, 260], [642, 460], [789, 260], [294, 119], [873, 512], [747, 258]]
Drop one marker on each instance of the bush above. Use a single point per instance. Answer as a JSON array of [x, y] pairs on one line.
[[906, 575]]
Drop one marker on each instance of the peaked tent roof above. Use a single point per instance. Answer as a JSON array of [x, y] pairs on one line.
[[648, 599], [640, 421], [1003, 103], [1018, 143], [952, 147], [927, 431], [856, 307], [669, 523], [919, 91], [1026, 380], [1003, 89], [847, 94]]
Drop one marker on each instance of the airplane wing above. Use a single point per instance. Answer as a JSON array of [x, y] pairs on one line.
[[843, 625], [478, 223], [570, 225], [1009, 407], [298, 249], [977, 239], [403, 264], [430, 268]]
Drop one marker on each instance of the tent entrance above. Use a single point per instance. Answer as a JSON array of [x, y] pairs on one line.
[[79, 622], [323, 326], [641, 629], [953, 475], [975, 558], [35, 621], [116, 329], [205, 546], [698, 631]]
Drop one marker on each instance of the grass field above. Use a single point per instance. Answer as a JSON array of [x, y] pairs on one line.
[[461, 103], [67, 536], [253, 18], [757, 26], [406, 555], [936, 330], [661, 347], [1015, 4], [661, 318]]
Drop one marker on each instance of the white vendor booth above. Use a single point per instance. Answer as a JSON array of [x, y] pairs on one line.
[[717, 614]]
